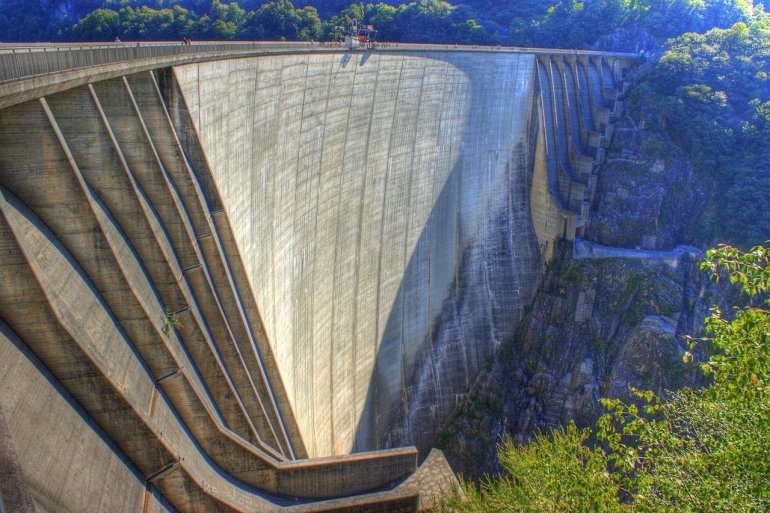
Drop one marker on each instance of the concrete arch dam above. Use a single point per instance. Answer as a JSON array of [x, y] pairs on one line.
[[215, 270]]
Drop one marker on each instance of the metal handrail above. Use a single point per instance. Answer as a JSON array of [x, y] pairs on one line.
[[19, 62], [23, 61]]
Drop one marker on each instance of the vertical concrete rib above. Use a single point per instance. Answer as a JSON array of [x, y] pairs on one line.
[[95, 360], [254, 341], [185, 363], [210, 265], [549, 132], [586, 105], [597, 85], [573, 107], [114, 241], [240, 421], [561, 123], [99, 356]]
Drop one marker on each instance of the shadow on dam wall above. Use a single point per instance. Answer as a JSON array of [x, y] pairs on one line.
[[520, 193], [493, 280], [479, 244], [234, 266]]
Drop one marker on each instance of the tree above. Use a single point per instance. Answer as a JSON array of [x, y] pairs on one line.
[[552, 474], [709, 94], [381, 16], [280, 20], [223, 21], [708, 449], [424, 21], [98, 25]]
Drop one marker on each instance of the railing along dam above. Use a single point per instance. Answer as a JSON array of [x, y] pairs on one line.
[[220, 260]]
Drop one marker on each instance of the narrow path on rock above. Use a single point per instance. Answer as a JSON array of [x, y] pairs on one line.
[[588, 249]]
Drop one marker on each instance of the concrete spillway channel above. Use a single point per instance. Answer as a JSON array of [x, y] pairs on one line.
[[224, 282]]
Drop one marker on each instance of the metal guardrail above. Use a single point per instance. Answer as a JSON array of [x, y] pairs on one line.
[[22, 61], [18, 62]]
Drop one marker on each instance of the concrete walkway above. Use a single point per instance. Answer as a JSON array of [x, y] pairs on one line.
[[587, 249]]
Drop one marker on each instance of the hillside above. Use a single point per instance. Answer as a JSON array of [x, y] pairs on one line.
[[688, 165]]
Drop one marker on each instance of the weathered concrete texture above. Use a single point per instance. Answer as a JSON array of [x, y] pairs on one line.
[[381, 203], [356, 185], [52, 436]]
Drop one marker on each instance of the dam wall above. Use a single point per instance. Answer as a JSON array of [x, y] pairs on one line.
[[356, 184], [214, 271]]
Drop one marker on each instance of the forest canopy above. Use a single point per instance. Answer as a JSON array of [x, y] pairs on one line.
[[541, 23], [710, 94]]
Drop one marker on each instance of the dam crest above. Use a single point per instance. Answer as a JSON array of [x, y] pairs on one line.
[[252, 277]]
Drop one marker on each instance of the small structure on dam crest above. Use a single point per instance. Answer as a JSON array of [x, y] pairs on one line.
[[253, 277]]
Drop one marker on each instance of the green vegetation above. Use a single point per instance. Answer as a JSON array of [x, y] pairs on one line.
[[548, 23], [170, 321], [710, 94], [554, 473], [698, 450]]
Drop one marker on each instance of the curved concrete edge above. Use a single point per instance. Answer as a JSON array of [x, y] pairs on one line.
[[204, 475], [402, 462], [99, 341], [383, 145], [195, 197], [37, 86], [125, 260], [67, 463]]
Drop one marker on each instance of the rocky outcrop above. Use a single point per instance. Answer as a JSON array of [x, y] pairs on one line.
[[648, 196], [596, 328], [610, 315]]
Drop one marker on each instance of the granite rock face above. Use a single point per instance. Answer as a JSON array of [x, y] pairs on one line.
[[596, 328]]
